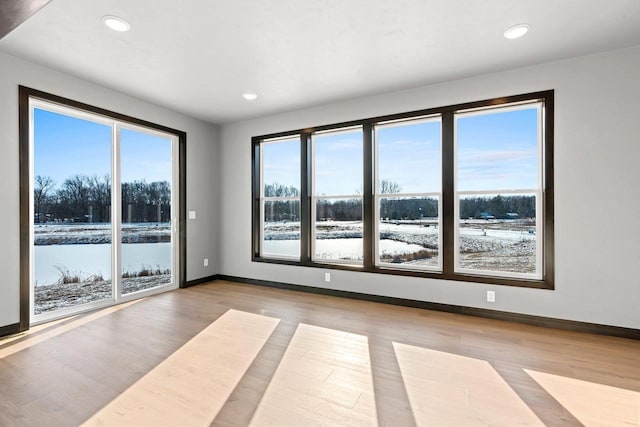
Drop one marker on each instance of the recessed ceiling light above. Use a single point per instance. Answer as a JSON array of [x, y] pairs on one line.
[[250, 96], [115, 23], [516, 31]]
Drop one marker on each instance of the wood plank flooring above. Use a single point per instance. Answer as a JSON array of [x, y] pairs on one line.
[[230, 354]]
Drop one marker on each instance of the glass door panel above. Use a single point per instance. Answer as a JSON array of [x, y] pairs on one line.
[[146, 199], [71, 222]]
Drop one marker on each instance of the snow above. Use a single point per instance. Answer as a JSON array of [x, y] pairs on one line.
[[493, 245], [86, 233], [392, 247], [53, 297]]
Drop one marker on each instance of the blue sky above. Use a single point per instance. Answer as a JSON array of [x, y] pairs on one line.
[[144, 156], [65, 146], [498, 150], [409, 155], [495, 151], [338, 163], [281, 162]]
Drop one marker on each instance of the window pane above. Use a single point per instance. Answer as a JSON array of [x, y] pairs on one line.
[[338, 163], [409, 231], [498, 150], [338, 230], [498, 233], [72, 211], [146, 210], [281, 168], [409, 157], [281, 233]]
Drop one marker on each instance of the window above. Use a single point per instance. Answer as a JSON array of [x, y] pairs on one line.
[[408, 193], [337, 196], [280, 198], [462, 192], [498, 191]]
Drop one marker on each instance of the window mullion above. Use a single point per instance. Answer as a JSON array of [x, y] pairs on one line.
[[116, 217], [448, 194], [368, 207], [305, 197]]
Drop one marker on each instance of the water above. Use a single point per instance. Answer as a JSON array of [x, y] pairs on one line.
[[90, 259], [350, 248]]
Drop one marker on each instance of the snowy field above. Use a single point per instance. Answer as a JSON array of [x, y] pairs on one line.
[[493, 245], [53, 297], [78, 234]]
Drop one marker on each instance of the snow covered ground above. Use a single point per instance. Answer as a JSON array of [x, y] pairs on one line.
[[53, 297], [493, 245], [96, 233]]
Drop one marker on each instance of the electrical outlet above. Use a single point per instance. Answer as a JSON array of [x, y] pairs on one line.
[[327, 277], [206, 262], [491, 296]]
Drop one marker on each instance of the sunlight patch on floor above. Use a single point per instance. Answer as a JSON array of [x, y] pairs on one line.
[[34, 330], [191, 386], [324, 378], [32, 337], [591, 403], [446, 389]]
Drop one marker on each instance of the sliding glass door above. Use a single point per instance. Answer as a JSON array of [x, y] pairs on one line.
[[103, 211]]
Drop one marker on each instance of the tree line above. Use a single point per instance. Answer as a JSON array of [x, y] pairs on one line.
[[84, 198], [500, 207], [397, 208]]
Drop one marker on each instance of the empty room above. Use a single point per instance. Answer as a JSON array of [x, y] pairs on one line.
[[320, 213]]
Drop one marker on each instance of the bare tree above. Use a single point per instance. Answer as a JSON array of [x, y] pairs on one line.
[[389, 187], [279, 190], [74, 196], [41, 188], [99, 197]]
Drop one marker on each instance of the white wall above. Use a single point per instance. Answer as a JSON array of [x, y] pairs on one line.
[[597, 151], [202, 175]]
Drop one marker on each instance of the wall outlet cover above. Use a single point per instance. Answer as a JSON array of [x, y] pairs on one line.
[[491, 296]]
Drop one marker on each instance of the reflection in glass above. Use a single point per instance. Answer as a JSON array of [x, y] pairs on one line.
[[338, 229], [498, 233], [409, 231], [146, 210], [281, 232]]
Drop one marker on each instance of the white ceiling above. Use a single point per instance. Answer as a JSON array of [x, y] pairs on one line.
[[199, 56]]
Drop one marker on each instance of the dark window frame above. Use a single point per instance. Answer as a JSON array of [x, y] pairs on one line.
[[448, 220], [24, 95]]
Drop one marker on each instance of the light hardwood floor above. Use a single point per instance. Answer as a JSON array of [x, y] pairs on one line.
[[230, 354]]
